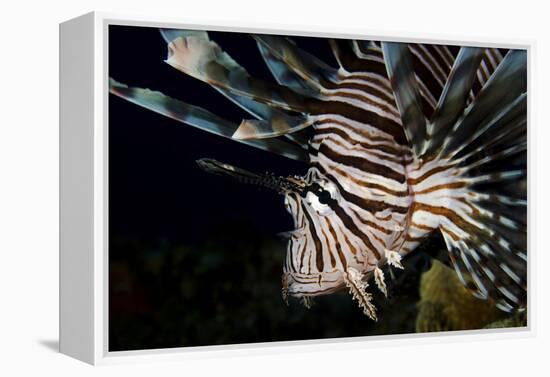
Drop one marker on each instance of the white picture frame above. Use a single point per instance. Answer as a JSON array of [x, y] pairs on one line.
[[84, 201]]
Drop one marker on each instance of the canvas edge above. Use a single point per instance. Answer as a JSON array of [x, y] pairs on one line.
[[100, 342], [76, 175]]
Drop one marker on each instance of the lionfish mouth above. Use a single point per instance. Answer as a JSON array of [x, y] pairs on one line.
[[283, 185]]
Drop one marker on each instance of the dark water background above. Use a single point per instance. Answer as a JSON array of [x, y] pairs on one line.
[[193, 257]]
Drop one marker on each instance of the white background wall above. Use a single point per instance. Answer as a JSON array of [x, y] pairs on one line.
[[29, 182]]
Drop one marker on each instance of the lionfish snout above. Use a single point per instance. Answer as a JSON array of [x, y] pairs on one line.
[[282, 185]]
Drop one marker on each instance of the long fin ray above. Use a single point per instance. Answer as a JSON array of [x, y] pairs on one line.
[[492, 271], [479, 202], [504, 129], [262, 129], [507, 83], [309, 68], [401, 73], [343, 53], [256, 109], [454, 96], [432, 65], [171, 34], [358, 56], [204, 60], [489, 63], [283, 74], [199, 117]]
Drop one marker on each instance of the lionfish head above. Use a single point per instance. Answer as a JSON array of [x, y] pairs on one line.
[[312, 266], [321, 250]]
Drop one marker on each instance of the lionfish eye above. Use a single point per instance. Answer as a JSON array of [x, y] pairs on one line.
[[324, 196]]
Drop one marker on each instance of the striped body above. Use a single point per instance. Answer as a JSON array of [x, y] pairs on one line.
[[400, 140], [376, 184]]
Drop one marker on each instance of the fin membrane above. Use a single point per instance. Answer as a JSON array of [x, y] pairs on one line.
[[200, 118]]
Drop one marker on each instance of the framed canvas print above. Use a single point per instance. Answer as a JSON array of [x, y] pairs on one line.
[[224, 188]]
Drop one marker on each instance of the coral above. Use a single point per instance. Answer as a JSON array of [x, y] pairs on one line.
[[446, 305], [517, 320]]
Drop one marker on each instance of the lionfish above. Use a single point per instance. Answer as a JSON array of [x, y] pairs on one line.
[[401, 139]]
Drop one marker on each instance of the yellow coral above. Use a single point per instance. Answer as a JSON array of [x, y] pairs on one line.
[[446, 305]]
